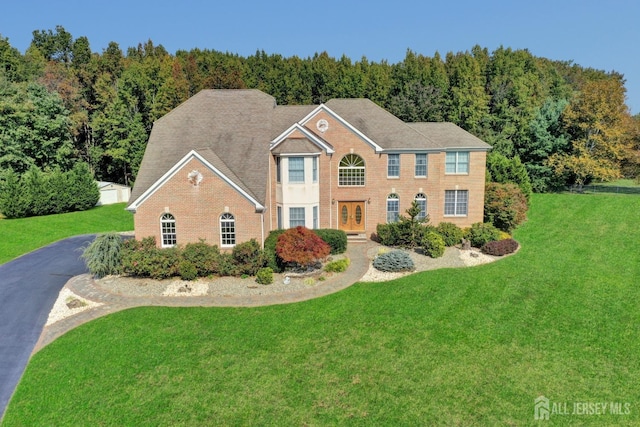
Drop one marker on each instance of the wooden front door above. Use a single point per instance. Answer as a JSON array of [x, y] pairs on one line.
[[351, 216]]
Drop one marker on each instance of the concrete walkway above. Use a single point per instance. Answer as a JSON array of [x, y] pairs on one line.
[[84, 286]]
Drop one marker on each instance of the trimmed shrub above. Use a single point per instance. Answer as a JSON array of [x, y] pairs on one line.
[[504, 206], [272, 259], [301, 246], [407, 232], [187, 270], [248, 257], [433, 244], [205, 258], [482, 233], [451, 233], [337, 266], [103, 256], [264, 276], [394, 261], [144, 259], [500, 247], [336, 239]]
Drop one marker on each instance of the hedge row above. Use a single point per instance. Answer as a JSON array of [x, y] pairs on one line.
[[38, 193]]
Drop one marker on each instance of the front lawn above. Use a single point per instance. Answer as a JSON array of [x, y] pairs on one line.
[[464, 347], [23, 235]]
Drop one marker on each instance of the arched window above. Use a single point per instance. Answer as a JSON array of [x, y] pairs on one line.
[[421, 199], [227, 230], [351, 171], [168, 230], [393, 207]]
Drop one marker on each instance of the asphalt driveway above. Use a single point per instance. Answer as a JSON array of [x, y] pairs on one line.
[[29, 287]]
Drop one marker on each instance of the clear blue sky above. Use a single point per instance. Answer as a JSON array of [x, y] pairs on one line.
[[601, 34]]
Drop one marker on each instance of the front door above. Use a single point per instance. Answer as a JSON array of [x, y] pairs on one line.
[[351, 216]]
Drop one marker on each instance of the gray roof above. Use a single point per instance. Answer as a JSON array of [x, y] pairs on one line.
[[232, 129], [447, 135], [229, 128], [382, 127]]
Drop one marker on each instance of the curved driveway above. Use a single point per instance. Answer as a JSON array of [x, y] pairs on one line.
[[29, 287]]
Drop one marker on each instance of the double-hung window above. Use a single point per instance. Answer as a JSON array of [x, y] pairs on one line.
[[296, 217], [421, 165], [393, 165], [456, 202], [296, 169], [227, 230], [421, 200], [457, 162]]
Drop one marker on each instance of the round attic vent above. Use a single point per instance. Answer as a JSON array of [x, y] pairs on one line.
[[322, 125], [194, 177]]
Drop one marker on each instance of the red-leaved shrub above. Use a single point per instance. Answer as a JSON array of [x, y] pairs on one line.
[[500, 247], [301, 246]]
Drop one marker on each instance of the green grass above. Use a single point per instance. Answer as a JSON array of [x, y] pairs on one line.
[[463, 347], [20, 236]]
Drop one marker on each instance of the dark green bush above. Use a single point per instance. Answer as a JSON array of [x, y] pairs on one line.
[[44, 193], [187, 270], [337, 266], [248, 257], [482, 233], [264, 276], [204, 257], [272, 259], [500, 247], [451, 233], [144, 259], [103, 256], [336, 239], [433, 244], [394, 261]]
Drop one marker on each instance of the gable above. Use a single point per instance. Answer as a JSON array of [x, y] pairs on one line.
[[219, 170]]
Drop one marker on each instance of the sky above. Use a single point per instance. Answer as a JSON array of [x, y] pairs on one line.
[[598, 34]]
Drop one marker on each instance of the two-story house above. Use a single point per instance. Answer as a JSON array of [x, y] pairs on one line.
[[230, 165]]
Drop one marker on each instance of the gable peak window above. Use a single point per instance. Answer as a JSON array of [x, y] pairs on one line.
[[351, 171], [168, 230]]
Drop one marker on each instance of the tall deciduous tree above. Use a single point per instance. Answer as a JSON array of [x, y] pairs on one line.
[[597, 120]]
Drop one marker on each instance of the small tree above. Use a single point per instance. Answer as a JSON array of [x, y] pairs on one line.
[[301, 246], [103, 256], [504, 206]]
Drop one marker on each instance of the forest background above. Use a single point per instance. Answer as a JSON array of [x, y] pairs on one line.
[[62, 103]]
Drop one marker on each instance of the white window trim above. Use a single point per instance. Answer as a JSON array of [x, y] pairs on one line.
[[304, 213], [457, 163], [226, 219], [289, 181], [426, 165], [397, 156], [345, 168], [165, 220], [396, 198], [455, 204]]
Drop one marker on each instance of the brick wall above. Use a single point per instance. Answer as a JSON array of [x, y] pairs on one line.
[[197, 209]]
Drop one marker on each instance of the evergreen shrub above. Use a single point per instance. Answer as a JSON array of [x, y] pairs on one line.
[[451, 233], [337, 266], [482, 233], [433, 244], [394, 261], [264, 276], [103, 256]]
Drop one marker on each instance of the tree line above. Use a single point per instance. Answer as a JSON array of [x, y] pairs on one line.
[[61, 103]]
